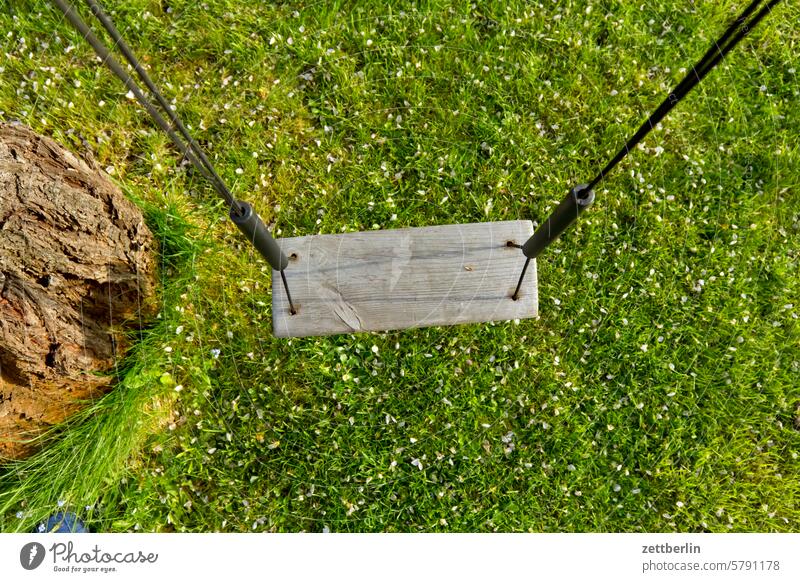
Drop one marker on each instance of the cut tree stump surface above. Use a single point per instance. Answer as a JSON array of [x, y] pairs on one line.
[[76, 265], [395, 279]]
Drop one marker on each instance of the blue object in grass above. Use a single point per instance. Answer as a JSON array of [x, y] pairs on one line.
[[63, 522]]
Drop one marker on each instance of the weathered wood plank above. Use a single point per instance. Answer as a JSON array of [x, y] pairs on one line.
[[411, 277]]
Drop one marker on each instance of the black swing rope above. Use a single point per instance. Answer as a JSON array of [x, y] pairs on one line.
[[241, 212], [582, 196]]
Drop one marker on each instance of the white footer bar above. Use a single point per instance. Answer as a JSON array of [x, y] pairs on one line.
[[400, 557]]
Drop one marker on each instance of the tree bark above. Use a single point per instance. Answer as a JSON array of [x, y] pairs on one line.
[[76, 273]]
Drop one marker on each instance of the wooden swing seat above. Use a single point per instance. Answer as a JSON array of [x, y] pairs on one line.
[[396, 279]]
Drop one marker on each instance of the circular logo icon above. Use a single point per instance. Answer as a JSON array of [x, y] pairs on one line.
[[31, 555]]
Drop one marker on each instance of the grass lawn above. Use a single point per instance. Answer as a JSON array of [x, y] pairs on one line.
[[658, 391]]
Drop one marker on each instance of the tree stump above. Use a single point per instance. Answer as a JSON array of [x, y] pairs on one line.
[[76, 272]]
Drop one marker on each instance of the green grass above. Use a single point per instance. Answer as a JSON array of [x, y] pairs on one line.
[[659, 390]]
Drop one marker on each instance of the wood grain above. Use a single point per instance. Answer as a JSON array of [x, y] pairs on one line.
[[395, 279]]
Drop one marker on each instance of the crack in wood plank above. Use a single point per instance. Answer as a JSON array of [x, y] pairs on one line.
[[341, 308]]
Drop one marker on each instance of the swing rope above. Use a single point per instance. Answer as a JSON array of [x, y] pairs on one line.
[[120, 43], [713, 56], [582, 196], [241, 213]]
